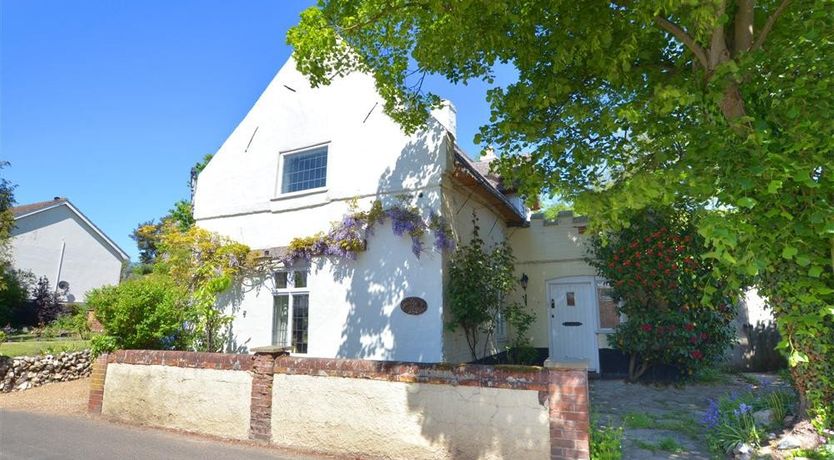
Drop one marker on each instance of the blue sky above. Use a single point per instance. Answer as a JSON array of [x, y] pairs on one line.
[[111, 103]]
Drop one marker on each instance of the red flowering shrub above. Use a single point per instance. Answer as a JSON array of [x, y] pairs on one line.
[[676, 311]]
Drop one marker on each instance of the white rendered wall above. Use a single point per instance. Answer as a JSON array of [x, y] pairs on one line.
[[398, 420], [354, 305], [88, 260], [210, 401]]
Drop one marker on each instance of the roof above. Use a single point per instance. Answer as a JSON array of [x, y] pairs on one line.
[[35, 208], [476, 174], [20, 211]]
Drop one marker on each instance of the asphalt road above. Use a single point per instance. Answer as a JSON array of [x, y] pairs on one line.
[[26, 435]]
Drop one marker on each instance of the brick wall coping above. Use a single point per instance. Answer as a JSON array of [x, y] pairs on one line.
[[219, 361], [499, 376], [479, 375]]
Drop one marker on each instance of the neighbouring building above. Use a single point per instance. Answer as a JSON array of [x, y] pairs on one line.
[[54, 239], [297, 162]]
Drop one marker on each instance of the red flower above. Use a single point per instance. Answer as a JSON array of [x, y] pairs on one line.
[[704, 336], [697, 354], [693, 339], [646, 327], [688, 326]]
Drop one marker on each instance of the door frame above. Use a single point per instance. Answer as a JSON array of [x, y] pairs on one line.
[[594, 282]]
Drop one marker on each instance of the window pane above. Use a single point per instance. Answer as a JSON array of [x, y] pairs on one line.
[[300, 310], [570, 299], [303, 171], [281, 280], [300, 279], [608, 316], [280, 307]]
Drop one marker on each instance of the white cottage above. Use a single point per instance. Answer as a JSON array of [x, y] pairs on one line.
[[294, 165], [54, 239]]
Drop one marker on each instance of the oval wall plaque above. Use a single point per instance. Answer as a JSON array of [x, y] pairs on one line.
[[414, 306]]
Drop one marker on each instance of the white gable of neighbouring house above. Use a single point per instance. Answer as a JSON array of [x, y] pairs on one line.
[[54, 239]]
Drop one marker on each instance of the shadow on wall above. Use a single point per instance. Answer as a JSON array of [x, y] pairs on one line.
[[760, 354], [233, 298], [383, 274]]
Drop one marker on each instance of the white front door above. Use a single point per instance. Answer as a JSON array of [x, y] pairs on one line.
[[572, 328]]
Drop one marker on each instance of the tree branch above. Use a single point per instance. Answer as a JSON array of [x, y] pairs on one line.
[[743, 37], [771, 20], [684, 37]]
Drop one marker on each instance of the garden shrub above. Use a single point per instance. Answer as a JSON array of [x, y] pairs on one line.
[[677, 312], [480, 280], [46, 303], [72, 322], [144, 313], [15, 308]]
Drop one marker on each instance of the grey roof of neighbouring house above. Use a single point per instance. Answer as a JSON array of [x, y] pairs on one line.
[[25, 209]]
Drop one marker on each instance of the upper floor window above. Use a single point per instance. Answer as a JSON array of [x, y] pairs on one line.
[[304, 170]]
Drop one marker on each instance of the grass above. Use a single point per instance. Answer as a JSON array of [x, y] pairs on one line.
[[606, 441], [682, 423], [665, 444], [713, 376], [638, 420], [33, 348]]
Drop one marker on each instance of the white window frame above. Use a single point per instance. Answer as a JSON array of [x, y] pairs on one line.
[[289, 292], [279, 183]]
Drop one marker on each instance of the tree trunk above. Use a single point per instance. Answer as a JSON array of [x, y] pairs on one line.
[[732, 105], [634, 372]]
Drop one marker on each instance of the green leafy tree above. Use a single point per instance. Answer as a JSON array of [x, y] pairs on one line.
[[620, 105]]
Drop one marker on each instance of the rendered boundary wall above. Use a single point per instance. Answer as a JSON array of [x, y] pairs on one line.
[[357, 408]]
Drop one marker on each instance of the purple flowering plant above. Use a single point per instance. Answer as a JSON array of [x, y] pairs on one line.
[[348, 237]]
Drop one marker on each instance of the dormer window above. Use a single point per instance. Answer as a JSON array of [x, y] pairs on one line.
[[304, 170]]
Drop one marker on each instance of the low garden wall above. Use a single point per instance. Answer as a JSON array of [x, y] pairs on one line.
[[371, 409], [24, 372]]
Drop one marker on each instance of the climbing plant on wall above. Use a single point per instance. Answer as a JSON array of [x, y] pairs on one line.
[[347, 237]]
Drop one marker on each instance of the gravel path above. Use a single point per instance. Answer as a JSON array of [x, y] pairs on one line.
[[61, 398], [661, 422]]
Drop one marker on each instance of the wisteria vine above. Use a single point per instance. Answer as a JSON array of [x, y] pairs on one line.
[[347, 237]]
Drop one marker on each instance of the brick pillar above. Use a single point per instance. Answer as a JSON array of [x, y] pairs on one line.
[[260, 421], [569, 410], [97, 376]]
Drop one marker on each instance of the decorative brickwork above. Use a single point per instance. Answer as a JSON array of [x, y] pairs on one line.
[[97, 385]]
